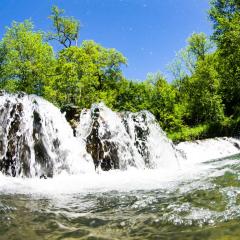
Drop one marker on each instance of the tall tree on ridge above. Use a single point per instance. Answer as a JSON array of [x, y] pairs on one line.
[[66, 29]]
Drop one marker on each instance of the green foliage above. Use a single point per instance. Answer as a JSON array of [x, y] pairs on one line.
[[133, 96], [88, 74], [164, 103], [183, 65], [225, 15], [199, 45], [201, 101], [25, 59], [222, 13], [189, 133], [65, 29]]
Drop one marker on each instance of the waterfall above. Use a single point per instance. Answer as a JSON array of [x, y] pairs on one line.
[[209, 149], [123, 140], [36, 140]]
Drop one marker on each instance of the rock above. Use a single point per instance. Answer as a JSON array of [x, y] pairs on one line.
[[41, 153], [2, 92], [35, 138], [43, 176], [123, 140], [72, 114], [98, 146]]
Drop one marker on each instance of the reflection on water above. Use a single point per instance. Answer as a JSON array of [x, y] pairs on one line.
[[205, 207]]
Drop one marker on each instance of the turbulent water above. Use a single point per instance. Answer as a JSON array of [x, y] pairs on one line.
[[35, 139], [199, 202], [125, 140], [154, 190]]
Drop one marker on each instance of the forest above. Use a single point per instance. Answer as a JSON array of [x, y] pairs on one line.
[[202, 100]]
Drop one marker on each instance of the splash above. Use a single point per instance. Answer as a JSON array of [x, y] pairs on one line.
[[36, 140], [125, 140]]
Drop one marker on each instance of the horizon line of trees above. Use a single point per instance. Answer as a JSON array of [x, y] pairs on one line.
[[203, 99]]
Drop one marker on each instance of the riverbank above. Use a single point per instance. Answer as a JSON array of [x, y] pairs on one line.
[[229, 127]]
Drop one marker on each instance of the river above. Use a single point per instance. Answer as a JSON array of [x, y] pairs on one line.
[[198, 201]]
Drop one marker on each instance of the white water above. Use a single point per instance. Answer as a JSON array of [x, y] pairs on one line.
[[208, 149], [74, 169], [139, 139], [110, 122], [69, 156], [161, 152]]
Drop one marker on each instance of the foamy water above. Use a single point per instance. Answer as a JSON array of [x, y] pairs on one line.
[[161, 191]]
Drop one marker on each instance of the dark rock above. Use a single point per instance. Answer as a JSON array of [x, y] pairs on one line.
[[141, 132], [43, 176], [41, 154], [102, 149], [21, 94], [16, 146], [72, 114], [2, 92], [236, 145]]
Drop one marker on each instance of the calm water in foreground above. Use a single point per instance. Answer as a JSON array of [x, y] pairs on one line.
[[202, 202]]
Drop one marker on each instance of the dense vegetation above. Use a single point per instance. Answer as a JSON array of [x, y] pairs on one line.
[[203, 100]]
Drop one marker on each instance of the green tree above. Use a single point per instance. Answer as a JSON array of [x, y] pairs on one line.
[[199, 45], [86, 74], [65, 29], [184, 64], [107, 64], [134, 96], [225, 15], [222, 12], [204, 104], [164, 103], [25, 59]]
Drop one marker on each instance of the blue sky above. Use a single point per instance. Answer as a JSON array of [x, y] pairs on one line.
[[147, 32]]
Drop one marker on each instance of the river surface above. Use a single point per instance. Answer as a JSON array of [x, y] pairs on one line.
[[198, 201]]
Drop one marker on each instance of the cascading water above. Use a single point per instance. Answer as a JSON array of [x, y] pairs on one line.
[[123, 140], [36, 140], [151, 141], [209, 149], [151, 192]]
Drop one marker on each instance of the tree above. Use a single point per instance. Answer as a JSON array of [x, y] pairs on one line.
[[222, 12], [204, 104], [134, 96], [87, 74], [66, 29], [164, 103], [184, 64], [225, 15], [199, 45], [2, 63], [25, 59]]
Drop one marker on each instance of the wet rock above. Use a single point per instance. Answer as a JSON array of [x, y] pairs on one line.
[[2, 92], [102, 149], [122, 140], [72, 114], [43, 176], [30, 142], [15, 145], [21, 94]]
